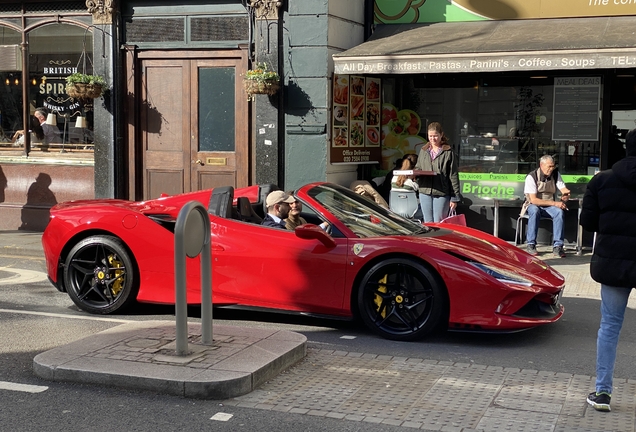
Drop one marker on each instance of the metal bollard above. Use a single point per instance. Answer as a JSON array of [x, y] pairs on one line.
[[192, 238]]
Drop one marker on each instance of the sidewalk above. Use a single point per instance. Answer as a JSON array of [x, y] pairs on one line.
[[275, 371]]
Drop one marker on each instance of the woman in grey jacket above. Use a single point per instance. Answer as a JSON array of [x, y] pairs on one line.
[[438, 193]]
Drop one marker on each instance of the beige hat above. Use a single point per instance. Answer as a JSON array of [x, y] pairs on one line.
[[278, 197]]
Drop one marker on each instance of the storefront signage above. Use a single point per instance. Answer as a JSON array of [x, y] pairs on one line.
[[486, 186], [409, 11], [588, 59], [482, 188], [355, 133], [52, 72], [547, 9], [576, 108]]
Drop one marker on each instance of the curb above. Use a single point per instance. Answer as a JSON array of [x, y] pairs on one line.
[[140, 356]]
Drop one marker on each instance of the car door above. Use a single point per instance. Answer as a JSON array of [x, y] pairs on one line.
[[273, 268]]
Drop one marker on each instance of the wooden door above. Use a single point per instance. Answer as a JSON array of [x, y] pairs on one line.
[[218, 151], [165, 127], [193, 122]]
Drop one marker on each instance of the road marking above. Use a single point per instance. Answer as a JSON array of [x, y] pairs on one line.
[[221, 416], [4, 385], [21, 257], [348, 337], [57, 315], [21, 276]]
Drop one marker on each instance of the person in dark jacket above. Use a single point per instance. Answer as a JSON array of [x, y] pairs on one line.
[[278, 206], [609, 210], [438, 193]]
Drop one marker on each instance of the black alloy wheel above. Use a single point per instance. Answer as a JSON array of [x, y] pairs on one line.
[[100, 276], [400, 299]]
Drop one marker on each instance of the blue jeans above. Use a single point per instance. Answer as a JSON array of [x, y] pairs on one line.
[[434, 208], [535, 213], [613, 304]]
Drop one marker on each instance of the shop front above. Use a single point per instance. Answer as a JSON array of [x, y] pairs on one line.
[[506, 93], [46, 136]]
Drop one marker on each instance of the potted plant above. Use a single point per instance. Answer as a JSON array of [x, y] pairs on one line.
[[261, 80], [84, 86]]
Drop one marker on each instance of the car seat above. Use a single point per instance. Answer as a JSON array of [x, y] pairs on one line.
[[221, 202], [246, 211], [263, 191]]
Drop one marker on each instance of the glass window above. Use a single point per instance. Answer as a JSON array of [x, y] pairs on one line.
[[216, 109], [10, 88], [361, 215], [58, 123], [56, 51], [500, 126]]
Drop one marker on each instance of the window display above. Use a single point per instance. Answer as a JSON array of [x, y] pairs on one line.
[[501, 125], [60, 126]]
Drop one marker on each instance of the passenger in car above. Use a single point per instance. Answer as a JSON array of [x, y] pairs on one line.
[[278, 206], [294, 219]]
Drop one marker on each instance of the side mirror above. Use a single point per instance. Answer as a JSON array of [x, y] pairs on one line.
[[314, 232]]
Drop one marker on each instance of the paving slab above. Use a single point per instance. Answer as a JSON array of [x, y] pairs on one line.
[[142, 356]]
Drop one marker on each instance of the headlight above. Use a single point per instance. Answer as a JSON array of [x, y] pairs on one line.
[[504, 276]]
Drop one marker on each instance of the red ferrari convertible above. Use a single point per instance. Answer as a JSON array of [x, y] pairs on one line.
[[401, 278]]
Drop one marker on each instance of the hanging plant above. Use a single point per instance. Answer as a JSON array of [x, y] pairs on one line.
[[84, 86], [261, 80]]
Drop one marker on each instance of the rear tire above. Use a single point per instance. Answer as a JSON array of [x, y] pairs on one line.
[[400, 299], [100, 276]]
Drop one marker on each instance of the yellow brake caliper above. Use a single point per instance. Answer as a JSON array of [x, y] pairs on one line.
[[378, 299], [119, 281]]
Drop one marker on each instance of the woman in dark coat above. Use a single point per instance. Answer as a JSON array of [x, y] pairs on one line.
[[609, 210]]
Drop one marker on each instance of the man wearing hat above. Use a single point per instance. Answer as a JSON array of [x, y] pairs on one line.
[[278, 206], [609, 210]]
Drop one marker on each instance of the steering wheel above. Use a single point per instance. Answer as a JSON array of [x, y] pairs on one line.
[[328, 228]]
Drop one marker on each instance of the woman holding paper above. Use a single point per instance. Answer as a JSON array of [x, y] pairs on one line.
[[439, 193]]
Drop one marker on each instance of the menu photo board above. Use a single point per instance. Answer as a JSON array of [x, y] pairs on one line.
[[355, 136]]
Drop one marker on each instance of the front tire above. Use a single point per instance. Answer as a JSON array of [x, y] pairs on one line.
[[400, 299], [100, 275]]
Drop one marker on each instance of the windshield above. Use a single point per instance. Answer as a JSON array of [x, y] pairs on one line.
[[362, 216]]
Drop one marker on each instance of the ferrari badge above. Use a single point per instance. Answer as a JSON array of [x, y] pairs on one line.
[[357, 248]]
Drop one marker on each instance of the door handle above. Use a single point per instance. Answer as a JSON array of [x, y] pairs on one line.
[[198, 161]]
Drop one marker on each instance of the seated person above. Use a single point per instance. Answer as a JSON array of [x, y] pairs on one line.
[[403, 182], [540, 188], [364, 188], [278, 206], [37, 134], [51, 132], [294, 219], [385, 186]]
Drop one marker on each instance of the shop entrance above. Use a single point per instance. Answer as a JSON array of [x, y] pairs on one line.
[[192, 126], [622, 122]]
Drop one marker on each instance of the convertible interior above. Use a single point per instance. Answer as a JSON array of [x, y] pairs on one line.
[[223, 204]]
